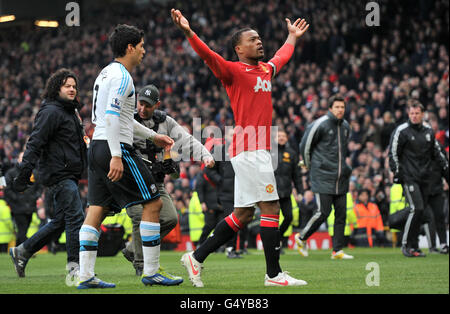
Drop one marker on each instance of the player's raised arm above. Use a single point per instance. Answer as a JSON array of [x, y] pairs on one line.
[[296, 30], [283, 54], [182, 23], [216, 63]]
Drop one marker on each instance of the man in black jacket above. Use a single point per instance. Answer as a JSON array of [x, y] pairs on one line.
[[411, 151], [212, 211], [286, 172], [22, 204], [324, 149], [222, 175], [436, 205], [57, 148]]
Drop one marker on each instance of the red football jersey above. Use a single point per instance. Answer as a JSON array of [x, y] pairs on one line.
[[249, 88]]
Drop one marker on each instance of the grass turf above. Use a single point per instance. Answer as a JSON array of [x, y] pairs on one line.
[[397, 274]]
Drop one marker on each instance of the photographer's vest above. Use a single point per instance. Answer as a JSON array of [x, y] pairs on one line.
[[397, 202], [196, 218], [6, 224]]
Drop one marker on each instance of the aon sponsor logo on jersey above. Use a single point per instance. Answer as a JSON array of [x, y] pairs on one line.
[[263, 85]]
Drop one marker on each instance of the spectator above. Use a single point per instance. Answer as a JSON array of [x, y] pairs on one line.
[[369, 222], [22, 204]]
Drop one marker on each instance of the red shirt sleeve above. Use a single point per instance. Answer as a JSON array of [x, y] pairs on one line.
[[281, 57], [219, 66]]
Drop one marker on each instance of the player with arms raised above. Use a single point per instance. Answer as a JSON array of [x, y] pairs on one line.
[[248, 85]]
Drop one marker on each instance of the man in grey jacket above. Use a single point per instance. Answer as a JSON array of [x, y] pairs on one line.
[[160, 165], [323, 149]]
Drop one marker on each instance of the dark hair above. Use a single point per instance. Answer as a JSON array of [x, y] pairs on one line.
[[334, 98], [236, 37], [414, 103], [55, 81], [122, 36], [364, 191]]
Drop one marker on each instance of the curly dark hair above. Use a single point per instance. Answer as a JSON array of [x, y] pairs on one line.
[[55, 81], [122, 36]]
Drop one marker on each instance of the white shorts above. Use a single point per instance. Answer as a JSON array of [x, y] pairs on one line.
[[254, 179]]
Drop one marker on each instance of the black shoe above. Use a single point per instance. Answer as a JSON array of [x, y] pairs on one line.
[[444, 249], [410, 252], [433, 250], [233, 254], [128, 255], [19, 261], [139, 270], [419, 253]]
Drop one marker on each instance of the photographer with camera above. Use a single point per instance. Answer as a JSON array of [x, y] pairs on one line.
[[160, 164]]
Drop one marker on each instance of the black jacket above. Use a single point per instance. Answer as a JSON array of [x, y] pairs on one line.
[[436, 174], [287, 171], [21, 202], [411, 151], [222, 175], [324, 149], [56, 145], [207, 192]]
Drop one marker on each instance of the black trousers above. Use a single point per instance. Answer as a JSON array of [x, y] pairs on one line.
[[286, 209], [417, 196], [212, 218], [437, 224], [324, 203]]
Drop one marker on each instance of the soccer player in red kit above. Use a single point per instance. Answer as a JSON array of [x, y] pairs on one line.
[[248, 85]]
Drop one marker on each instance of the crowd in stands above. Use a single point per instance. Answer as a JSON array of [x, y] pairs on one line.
[[376, 68]]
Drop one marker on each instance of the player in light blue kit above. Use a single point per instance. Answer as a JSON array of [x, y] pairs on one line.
[[118, 178]]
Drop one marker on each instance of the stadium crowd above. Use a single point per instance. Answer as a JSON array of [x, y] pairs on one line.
[[376, 68]]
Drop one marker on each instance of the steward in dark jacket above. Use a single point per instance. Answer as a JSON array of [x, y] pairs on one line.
[[222, 175], [286, 172]]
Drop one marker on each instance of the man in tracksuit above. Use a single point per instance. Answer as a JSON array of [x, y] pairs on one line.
[[57, 148], [411, 151], [324, 149]]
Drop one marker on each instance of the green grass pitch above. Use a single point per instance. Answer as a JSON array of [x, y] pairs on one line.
[[397, 274]]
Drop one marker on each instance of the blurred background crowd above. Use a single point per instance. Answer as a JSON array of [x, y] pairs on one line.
[[376, 68]]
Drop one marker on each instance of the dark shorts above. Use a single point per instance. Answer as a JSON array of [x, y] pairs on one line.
[[137, 185]]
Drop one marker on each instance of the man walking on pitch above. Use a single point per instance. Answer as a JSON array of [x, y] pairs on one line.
[[118, 178], [248, 85], [56, 148], [323, 149]]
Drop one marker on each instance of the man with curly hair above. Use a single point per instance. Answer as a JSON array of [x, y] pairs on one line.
[[57, 149]]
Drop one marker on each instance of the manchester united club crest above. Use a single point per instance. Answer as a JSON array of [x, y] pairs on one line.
[[264, 68], [269, 188]]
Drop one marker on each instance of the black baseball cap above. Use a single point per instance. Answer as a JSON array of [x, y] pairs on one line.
[[149, 94]]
